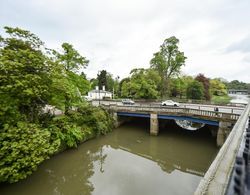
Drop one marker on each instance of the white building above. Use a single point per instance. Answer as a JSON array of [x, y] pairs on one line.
[[99, 94]]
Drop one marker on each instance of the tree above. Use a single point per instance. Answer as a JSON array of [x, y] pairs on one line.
[[235, 84], [65, 76], [142, 84], [71, 59], [206, 84], [177, 87], [102, 79], [25, 81], [195, 90], [30, 78], [217, 87], [116, 87], [93, 83], [24, 77], [105, 79], [168, 62]]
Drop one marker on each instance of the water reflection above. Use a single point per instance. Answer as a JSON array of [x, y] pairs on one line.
[[127, 161], [189, 125]]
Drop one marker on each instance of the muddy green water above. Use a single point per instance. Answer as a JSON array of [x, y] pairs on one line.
[[127, 161]]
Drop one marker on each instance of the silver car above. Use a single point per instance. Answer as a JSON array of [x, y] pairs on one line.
[[128, 101]]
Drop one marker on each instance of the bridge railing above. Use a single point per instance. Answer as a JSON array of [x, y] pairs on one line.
[[174, 110], [217, 177]]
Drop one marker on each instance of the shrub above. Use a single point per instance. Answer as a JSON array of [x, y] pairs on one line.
[[195, 90], [22, 148]]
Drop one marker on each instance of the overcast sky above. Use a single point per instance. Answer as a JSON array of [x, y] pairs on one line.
[[119, 35]]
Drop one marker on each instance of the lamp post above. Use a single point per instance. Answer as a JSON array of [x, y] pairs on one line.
[[98, 87], [99, 95]]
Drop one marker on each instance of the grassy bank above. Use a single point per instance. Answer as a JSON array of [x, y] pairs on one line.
[[221, 99]]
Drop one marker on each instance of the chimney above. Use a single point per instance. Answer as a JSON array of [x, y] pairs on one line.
[[103, 87]]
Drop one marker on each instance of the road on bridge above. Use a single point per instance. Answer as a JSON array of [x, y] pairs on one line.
[[224, 109]]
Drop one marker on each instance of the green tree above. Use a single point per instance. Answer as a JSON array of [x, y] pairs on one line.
[[121, 83], [30, 78], [71, 59], [116, 87], [168, 62], [69, 62], [235, 84], [93, 83], [195, 90], [178, 86], [102, 79], [142, 84], [106, 79], [24, 78], [217, 87]]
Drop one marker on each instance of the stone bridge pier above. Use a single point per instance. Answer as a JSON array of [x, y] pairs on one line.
[[154, 124], [221, 134], [118, 121], [223, 131]]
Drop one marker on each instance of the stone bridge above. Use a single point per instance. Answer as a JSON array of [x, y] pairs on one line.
[[230, 171], [223, 120]]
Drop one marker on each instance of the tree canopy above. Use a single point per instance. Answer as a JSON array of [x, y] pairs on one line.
[[168, 62], [32, 77], [24, 78], [143, 84], [206, 84], [195, 90], [217, 87]]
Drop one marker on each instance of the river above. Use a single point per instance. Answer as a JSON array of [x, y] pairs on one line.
[[239, 99], [127, 161]]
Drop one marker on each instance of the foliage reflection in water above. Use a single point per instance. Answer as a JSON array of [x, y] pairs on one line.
[[126, 161], [189, 125]]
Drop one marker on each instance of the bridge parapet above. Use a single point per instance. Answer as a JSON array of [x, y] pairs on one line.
[[218, 175], [179, 111]]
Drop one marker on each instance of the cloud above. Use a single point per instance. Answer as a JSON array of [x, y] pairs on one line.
[[246, 58], [242, 46], [120, 35]]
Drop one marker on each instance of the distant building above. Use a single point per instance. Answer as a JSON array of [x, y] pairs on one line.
[[238, 91], [99, 94]]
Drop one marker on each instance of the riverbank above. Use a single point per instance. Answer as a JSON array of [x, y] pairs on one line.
[[125, 161], [25, 146]]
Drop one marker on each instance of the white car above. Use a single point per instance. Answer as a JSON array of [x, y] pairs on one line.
[[128, 101], [170, 103]]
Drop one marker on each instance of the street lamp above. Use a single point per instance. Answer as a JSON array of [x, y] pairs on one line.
[[99, 95], [98, 86]]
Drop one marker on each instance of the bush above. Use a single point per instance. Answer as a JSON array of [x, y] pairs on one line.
[[79, 125], [69, 133], [25, 145], [195, 90], [98, 119], [22, 148]]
